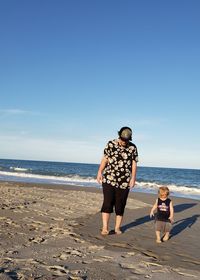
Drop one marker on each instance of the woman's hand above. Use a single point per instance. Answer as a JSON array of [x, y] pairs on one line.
[[102, 166], [133, 175], [132, 183], [99, 177]]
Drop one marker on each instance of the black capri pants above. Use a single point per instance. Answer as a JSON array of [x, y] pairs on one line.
[[114, 197]]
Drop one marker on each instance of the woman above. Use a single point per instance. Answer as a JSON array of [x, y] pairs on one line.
[[117, 174]]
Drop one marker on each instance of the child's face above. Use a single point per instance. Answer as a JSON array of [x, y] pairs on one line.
[[163, 195]]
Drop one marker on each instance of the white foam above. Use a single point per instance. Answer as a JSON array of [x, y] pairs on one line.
[[91, 181], [172, 187], [18, 169], [75, 178]]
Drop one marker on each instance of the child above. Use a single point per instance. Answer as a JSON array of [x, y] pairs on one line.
[[164, 215]]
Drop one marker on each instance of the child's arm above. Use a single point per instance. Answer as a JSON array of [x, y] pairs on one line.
[[171, 207], [153, 209]]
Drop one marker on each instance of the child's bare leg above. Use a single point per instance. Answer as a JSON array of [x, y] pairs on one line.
[[166, 236], [158, 240]]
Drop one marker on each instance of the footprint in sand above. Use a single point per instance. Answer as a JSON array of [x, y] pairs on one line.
[[36, 240], [58, 270], [70, 252]]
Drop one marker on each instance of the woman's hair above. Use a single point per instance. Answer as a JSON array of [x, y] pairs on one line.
[[163, 190]]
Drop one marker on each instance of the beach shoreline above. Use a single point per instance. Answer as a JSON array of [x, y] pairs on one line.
[[52, 231]]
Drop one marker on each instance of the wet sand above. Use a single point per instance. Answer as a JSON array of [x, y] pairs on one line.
[[53, 232]]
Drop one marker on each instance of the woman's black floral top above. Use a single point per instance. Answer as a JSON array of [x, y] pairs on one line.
[[118, 170]]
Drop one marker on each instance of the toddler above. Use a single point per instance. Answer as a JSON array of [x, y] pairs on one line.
[[165, 214]]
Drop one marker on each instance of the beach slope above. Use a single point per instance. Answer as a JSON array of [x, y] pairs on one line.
[[53, 232]]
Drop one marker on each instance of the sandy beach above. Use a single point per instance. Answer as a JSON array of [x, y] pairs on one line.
[[53, 232]]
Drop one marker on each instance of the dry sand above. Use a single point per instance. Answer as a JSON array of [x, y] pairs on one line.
[[53, 232]]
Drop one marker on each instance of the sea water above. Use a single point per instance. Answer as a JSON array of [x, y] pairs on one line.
[[181, 182]]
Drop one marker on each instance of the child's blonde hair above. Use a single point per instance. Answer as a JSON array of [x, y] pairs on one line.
[[163, 191]]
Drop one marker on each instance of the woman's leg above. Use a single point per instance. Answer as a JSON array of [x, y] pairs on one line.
[[107, 207], [121, 196], [118, 222], [105, 222]]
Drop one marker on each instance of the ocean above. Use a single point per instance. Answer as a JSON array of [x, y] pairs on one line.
[[181, 182]]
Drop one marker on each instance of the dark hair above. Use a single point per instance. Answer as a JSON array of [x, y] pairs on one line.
[[122, 129]]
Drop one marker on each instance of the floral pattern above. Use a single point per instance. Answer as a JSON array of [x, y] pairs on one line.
[[118, 170]]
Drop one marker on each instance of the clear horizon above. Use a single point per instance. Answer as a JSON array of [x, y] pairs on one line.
[[17, 159], [74, 72]]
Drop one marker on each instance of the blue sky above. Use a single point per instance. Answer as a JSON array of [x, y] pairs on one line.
[[74, 72]]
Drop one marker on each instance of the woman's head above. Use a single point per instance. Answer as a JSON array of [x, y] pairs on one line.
[[125, 133], [163, 192]]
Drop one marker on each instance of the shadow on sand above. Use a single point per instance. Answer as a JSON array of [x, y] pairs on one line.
[[137, 222], [182, 207], [182, 224]]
